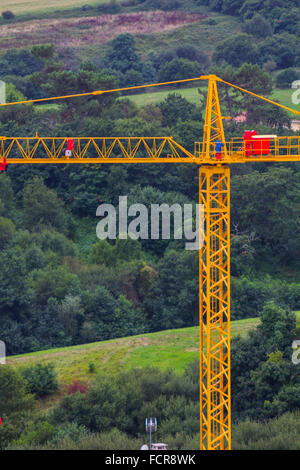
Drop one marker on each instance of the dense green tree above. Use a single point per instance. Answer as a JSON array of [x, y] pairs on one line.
[[42, 208], [261, 366], [258, 26], [236, 50], [7, 15], [56, 282], [242, 255], [178, 69], [123, 56], [41, 379], [122, 402], [278, 327], [269, 377], [254, 78], [175, 107], [20, 62], [287, 399], [288, 21], [282, 48], [108, 317], [7, 232], [103, 253], [15, 294], [172, 301], [71, 313], [7, 196], [264, 204], [15, 404], [55, 80], [43, 51], [286, 77], [276, 434]]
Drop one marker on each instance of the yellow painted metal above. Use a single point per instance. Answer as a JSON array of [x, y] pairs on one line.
[[282, 149], [20, 150], [93, 150], [214, 316], [213, 126]]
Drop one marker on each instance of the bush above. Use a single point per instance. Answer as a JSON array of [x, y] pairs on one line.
[[76, 437], [35, 435], [15, 404], [43, 208], [92, 367], [70, 432], [44, 51], [277, 434], [285, 78], [109, 8], [7, 15], [20, 62], [7, 232], [179, 69], [250, 295], [41, 379], [124, 400], [258, 26]]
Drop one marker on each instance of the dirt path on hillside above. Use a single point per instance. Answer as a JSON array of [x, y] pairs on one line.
[[75, 32]]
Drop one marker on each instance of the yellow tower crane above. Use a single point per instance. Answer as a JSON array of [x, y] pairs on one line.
[[213, 156]]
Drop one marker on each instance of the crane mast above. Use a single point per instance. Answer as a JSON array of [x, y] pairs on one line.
[[213, 156], [214, 285]]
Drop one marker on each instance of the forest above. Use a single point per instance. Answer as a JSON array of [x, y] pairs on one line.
[[61, 286]]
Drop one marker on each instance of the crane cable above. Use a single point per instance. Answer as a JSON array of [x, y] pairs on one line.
[[137, 87], [100, 92], [259, 96]]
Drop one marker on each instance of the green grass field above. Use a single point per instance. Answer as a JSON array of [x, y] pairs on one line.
[[166, 349], [283, 96], [156, 97], [36, 6]]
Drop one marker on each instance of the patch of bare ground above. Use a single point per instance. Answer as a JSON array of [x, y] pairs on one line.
[[76, 32]]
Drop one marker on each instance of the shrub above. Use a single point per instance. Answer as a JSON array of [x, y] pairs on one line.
[[277, 434], [285, 78], [113, 439], [7, 232], [15, 404], [36, 435], [41, 378], [7, 15], [258, 26], [44, 51], [71, 432], [92, 367], [109, 8]]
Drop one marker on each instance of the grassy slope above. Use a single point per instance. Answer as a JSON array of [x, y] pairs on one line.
[[165, 349], [201, 34], [283, 96], [156, 97]]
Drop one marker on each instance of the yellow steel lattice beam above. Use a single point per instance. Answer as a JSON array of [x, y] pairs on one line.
[[93, 150], [214, 317]]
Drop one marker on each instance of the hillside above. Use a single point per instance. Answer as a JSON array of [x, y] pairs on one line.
[[191, 94], [93, 30]]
